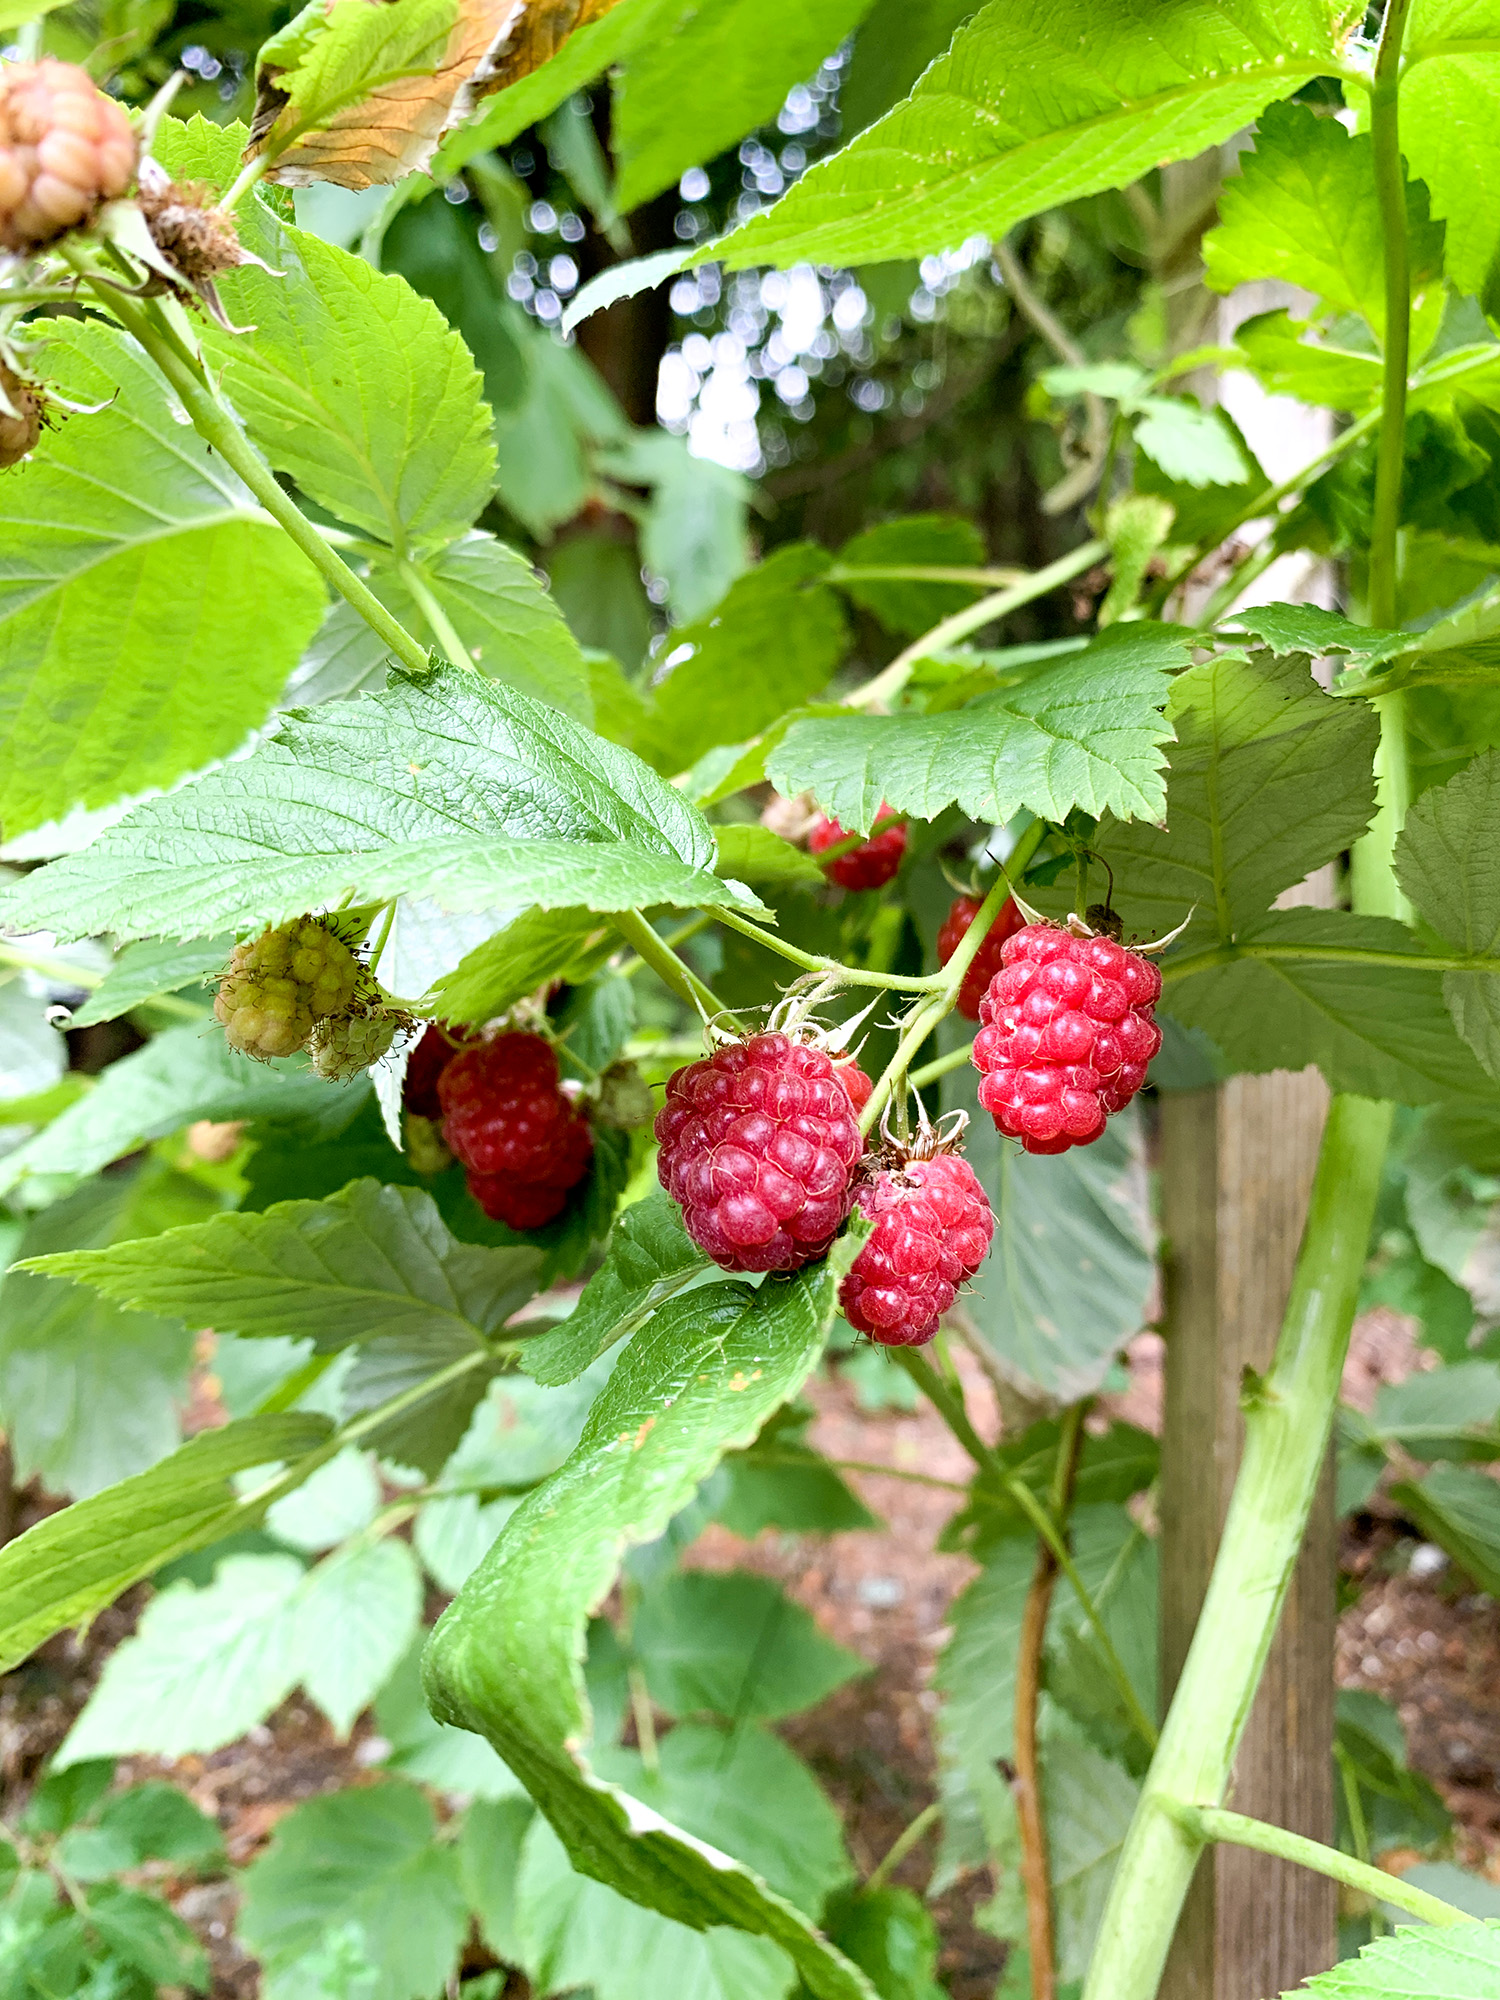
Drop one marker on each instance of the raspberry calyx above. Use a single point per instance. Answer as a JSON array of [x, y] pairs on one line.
[[21, 408], [523, 1142], [933, 1226], [1067, 1036], [869, 866], [759, 1143], [986, 961], [276, 988], [65, 150]]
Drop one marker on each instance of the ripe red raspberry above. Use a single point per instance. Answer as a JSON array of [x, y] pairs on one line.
[[932, 1232], [868, 867], [1067, 1036], [986, 961], [426, 1063], [65, 149], [524, 1143], [854, 1080], [759, 1142]]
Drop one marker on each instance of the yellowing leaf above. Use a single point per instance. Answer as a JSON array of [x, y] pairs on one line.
[[536, 37]]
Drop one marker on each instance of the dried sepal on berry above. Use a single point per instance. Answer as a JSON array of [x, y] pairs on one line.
[[277, 987], [932, 1228], [22, 407], [65, 150]]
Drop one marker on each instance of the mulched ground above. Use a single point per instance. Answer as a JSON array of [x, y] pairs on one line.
[[1415, 1636]]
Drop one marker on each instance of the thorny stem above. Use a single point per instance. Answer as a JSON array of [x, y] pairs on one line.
[[668, 967], [1205, 1823], [903, 1844], [218, 428], [1026, 1786], [890, 680]]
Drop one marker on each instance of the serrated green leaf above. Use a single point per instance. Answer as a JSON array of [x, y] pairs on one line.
[[340, 1499], [1036, 103], [1461, 1963], [135, 643], [781, 1482], [1308, 628], [513, 631], [1443, 1413], [356, 1615], [447, 786], [160, 1823], [423, 1435], [906, 605], [756, 855], [1269, 778], [1086, 731], [71, 1564], [664, 121], [1304, 208], [693, 536], [649, 1258], [1290, 359], [774, 639], [734, 1645], [424, 1749], [147, 1935], [202, 1667], [368, 1859], [1189, 443], [143, 971], [368, 1262], [91, 1394], [356, 385], [1450, 129], [701, 1378], [1458, 1508], [1376, 1030], [891, 1935], [533, 949], [1445, 862]]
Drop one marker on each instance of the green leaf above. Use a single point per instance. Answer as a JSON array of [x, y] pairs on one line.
[[66, 1796], [532, 950], [1475, 1894], [1072, 1263], [938, 541], [1443, 1413], [73, 1563], [1304, 208], [895, 43], [147, 1935], [663, 120], [693, 535], [1289, 358], [445, 785], [774, 640], [780, 1482], [1191, 444], [135, 640], [143, 971], [368, 1859], [1461, 1963], [734, 1645], [513, 631], [91, 1394], [368, 1262], [700, 1379], [355, 385], [356, 1617], [1036, 103], [1450, 105], [179, 1076], [202, 1668], [160, 1823], [1089, 1804], [1269, 778], [890, 1934], [1401, 1808], [1308, 628], [1085, 731], [1376, 1030], [340, 1499], [422, 1748], [1446, 864], [1458, 1508], [756, 855], [649, 1258]]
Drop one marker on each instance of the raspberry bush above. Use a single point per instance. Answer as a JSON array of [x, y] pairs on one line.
[[577, 801]]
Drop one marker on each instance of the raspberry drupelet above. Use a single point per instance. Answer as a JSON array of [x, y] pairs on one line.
[[65, 149], [986, 961], [506, 1119], [1067, 1035], [933, 1226], [759, 1143], [869, 866]]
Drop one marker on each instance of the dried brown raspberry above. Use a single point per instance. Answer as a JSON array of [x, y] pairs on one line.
[[200, 239], [276, 988], [65, 149], [20, 417]]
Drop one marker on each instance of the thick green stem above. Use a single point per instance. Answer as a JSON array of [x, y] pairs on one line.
[[1287, 1421], [218, 428], [1205, 1823]]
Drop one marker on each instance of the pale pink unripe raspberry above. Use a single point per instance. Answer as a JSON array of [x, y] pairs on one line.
[[759, 1143], [65, 149], [932, 1231], [1067, 1036]]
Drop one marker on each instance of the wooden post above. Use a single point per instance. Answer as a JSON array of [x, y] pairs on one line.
[[1237, 1168]]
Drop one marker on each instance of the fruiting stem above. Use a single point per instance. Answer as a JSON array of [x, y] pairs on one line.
[[903, 1844], [940, 1066], [218, 428], [1205, 1823], [890, 680], [668, 967], [1288, 1416], [992, 579], [439, 623], [248, 175], [377, 950], [1026, 1787], [850, 975]]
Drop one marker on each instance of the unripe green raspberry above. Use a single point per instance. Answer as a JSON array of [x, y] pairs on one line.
[[625, 1098], [276, 988], [344, 1049]]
